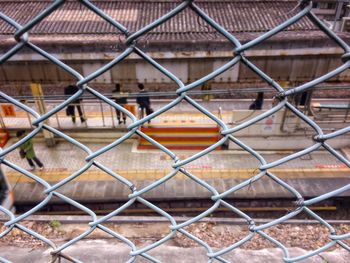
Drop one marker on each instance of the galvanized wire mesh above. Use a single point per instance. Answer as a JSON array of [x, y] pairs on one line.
[[228, 134]]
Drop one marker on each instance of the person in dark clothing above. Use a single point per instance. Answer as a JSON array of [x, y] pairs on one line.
[[258, 102], [27, 151], [303, 98], [143, 101], [122, 101], [71, 90]]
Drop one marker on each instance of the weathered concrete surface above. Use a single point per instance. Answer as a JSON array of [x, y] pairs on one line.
[[112, 251]]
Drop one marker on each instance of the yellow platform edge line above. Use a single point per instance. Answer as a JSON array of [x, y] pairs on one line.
[[240, 174]]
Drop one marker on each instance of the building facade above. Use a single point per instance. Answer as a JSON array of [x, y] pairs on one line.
[[186, 45]]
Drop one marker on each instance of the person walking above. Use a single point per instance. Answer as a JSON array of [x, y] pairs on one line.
[[27, 151], [70, 111], [122, 101], [143, 101]]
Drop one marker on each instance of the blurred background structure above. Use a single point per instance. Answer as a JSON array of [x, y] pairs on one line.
[[185, 45]]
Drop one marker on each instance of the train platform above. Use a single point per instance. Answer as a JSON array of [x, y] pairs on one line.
[[311, 175]]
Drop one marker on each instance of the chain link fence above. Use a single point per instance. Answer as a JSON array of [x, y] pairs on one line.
[[228, 134]]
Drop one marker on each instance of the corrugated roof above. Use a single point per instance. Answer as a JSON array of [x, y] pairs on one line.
[[74, 18]]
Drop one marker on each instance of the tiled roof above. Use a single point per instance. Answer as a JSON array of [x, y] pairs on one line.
[[238, 17]]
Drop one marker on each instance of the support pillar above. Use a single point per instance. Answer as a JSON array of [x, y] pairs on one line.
[[40, 103]]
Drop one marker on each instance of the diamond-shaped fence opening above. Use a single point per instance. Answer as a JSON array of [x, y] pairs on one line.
[[179, 163]]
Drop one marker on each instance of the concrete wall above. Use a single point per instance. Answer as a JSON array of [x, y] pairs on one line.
[[291, 65]]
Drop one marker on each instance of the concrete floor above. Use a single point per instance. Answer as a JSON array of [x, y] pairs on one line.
[[112, 251]]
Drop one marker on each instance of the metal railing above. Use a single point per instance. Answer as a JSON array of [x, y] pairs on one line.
[[99, 115], [136, 195], [96, 114]]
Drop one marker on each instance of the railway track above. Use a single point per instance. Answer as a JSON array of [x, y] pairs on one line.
[[335, 209]]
